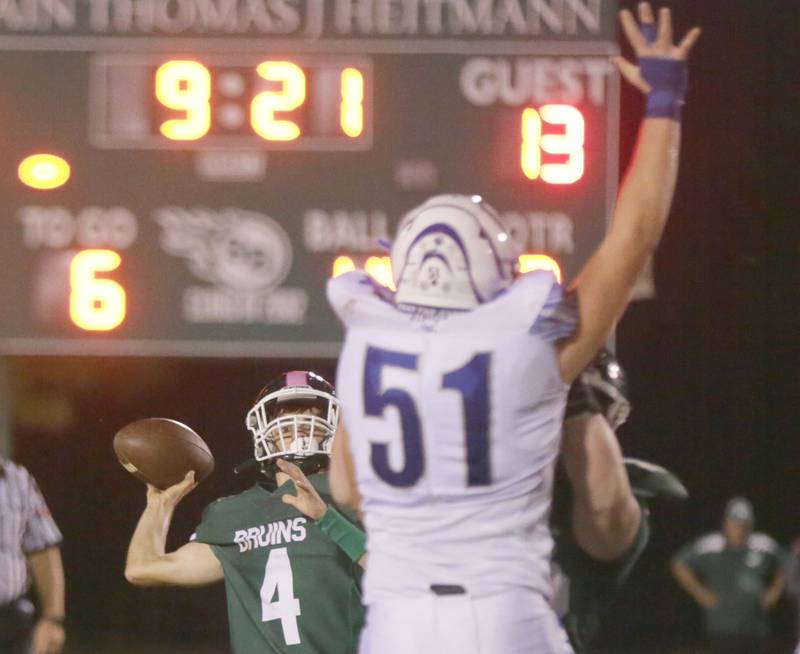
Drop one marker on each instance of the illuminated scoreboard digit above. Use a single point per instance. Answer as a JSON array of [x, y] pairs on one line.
[[173, 189], [570, 144], [309, 103], [95, 304]]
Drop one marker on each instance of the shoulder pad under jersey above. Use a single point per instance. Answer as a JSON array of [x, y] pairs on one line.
[[763, 542], [356, 298], [536, 302], [710, 543]]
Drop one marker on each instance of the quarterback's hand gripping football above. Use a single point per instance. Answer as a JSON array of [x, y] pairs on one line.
[[653, 45], [307, 500], [170, 497]]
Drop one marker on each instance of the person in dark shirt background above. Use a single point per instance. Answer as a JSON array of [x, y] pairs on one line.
[[793, 584], [736, 576]]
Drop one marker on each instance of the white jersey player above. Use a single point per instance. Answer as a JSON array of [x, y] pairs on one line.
[[453, 393], [463, 409]]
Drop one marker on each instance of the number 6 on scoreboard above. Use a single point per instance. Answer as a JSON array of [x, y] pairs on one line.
[[95, 304]]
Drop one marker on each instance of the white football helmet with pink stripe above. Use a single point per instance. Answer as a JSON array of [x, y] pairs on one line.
[[295, 416]]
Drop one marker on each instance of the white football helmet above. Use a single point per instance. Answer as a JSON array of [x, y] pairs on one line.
[[452, 252], [306, 423]]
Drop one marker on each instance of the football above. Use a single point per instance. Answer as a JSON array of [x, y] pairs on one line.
[[160, 451]]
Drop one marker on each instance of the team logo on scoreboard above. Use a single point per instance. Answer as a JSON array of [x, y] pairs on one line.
[[241, 250], [246, 255]]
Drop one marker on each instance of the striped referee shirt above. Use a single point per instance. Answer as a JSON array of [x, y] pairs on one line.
[[26, 526]]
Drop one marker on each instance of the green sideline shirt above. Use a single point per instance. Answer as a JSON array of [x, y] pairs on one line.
[[289, 587], [738, 578]]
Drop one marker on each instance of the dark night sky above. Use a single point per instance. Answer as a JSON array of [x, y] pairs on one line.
[[712, 361]]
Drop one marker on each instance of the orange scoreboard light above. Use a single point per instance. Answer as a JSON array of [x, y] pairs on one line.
[[184, 177]]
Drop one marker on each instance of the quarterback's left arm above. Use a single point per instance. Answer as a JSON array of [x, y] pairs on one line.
[[349, 538], [343, 476]]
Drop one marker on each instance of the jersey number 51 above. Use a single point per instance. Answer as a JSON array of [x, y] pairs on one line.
[[471, 381]]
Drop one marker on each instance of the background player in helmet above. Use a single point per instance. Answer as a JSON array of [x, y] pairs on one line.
[[600, 506], [288, 558], [453, 393]]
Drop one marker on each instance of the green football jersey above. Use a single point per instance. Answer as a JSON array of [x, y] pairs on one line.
[[289, 587], [738, 577]]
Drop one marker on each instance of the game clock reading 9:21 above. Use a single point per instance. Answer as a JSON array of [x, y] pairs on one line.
[[307, 103], [173, 194]]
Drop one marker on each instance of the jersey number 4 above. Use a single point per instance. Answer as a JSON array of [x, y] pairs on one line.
[[278, 580], [471, 381]]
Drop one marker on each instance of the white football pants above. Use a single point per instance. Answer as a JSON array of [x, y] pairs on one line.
[[514, 622]]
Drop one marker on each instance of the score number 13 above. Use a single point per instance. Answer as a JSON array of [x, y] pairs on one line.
[[569, 144]]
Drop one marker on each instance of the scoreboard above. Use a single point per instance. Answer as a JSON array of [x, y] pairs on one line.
[[182, 177]]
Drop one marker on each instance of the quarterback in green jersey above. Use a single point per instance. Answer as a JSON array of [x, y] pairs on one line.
[[290, 561]]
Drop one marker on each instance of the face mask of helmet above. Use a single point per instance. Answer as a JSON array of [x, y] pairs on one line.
[[293, 422], [452, 252]]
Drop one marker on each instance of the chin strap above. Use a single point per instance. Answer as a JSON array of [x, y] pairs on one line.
[[246, 467], [311, 464]]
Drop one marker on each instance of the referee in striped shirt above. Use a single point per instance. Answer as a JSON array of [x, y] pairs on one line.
[[29, 551]]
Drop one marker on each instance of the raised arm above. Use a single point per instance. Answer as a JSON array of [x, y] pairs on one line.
[[148, 564], [605, 284], [308, 501], [605, 515]]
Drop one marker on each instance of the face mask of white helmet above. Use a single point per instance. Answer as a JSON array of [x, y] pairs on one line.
[[296, 435]]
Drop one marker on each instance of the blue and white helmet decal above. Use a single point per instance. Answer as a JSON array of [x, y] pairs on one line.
[[452, 252]]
